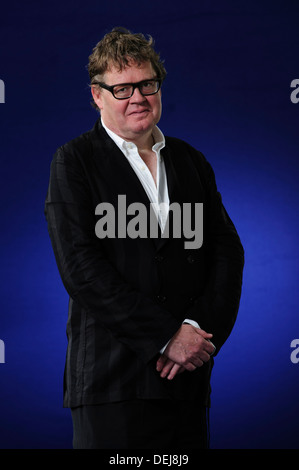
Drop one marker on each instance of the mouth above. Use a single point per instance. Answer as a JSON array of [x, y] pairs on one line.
[[139, 112]]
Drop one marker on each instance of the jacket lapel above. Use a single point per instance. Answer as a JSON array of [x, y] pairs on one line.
[[111, 161], [174, 190], [183, 180]]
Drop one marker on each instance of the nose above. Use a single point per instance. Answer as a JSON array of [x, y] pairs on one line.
[[137, 96]]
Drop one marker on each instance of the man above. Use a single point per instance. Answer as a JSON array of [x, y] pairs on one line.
[[146, 312]]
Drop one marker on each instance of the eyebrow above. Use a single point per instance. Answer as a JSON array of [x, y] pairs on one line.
[[135, 83]]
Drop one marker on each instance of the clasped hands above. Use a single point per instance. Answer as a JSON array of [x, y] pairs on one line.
[[188, 349]]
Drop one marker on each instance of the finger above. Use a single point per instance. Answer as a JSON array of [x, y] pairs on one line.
[[191, 367], [214, 348], [198, 357], [204, 356], [203, 333], [160, 362], [211, 348], [166, 368], [198, 362], [175, 370]]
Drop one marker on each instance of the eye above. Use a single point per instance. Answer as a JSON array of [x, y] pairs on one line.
[[122, 90], [148, 84], [149, 87]]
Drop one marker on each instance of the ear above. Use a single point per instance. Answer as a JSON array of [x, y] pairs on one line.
[[96, 94]]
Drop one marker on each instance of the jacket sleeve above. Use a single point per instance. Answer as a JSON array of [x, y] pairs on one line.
[[216, 310], [87, 274]]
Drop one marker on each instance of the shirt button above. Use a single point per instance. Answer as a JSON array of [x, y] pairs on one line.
[[190, 259]]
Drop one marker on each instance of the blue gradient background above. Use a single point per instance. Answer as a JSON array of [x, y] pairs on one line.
[[230, 65]]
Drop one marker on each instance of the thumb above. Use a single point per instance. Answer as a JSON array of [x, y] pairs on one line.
[[203, 333]]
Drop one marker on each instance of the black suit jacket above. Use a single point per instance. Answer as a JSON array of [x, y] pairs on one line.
[[129, 296]]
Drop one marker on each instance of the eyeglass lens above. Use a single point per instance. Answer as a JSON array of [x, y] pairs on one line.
[[148, 87]]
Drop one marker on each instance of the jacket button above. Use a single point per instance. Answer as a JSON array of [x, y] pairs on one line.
[[161, 298], [159, 258], [190, 259]]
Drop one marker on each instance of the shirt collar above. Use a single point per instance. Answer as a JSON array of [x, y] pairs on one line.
[[124, 145]]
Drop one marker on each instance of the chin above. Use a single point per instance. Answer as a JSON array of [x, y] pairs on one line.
[[145, 124], [142, 128]]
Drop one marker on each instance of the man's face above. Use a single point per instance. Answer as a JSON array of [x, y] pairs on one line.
[[134, 118]]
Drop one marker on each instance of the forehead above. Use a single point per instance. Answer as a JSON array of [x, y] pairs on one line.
[[132, 73]]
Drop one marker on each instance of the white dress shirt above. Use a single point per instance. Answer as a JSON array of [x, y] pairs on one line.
[[157, 193]]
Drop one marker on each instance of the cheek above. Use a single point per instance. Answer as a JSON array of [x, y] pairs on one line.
[[157, 106], [118, 108], [116, 111], [157, 100]]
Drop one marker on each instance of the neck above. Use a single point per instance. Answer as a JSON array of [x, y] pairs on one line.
[[144, 142]]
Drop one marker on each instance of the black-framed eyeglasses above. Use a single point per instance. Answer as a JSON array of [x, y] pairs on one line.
[[123, 91]]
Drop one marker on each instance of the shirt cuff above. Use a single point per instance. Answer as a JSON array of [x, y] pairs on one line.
[[192, 322]]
